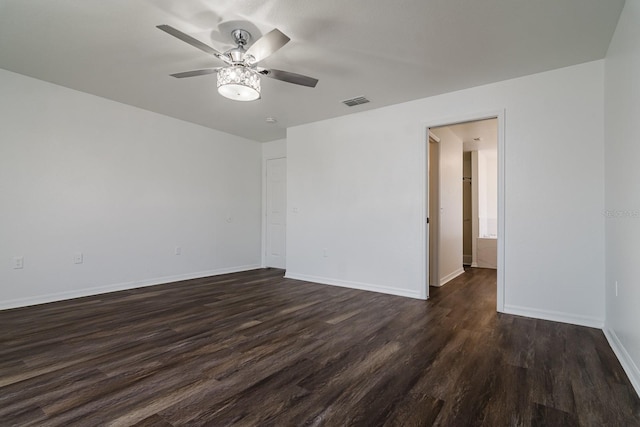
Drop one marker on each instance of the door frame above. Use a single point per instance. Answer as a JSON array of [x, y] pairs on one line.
[[424, 141], [433, 224]]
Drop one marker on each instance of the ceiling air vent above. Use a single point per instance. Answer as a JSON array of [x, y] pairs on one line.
[[355, 101]]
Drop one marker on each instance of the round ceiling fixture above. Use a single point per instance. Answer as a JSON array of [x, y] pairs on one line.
[[239, 83]]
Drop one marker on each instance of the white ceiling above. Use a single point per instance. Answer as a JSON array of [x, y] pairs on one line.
[[388, 51], [480, 135]]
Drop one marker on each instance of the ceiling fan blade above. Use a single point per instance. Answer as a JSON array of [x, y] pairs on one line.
[[193, 42], [195, 73], [289, 77], [267, 44]]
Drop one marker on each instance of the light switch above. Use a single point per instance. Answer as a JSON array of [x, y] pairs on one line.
[[18, 262]]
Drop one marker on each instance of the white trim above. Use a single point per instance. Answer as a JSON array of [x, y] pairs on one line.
[[630, 368], [60, 296], [355, 285], [555, 316], [502, 215], [449, 277], [497, 114], [424, 214], [433, 136]]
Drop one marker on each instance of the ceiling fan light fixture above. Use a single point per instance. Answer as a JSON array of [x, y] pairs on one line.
[[239, 80], [239, 83]]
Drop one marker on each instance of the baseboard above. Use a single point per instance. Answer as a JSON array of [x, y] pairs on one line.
[[449, 277], [59, 296], [555, 316], [354, 285], [629, 366]]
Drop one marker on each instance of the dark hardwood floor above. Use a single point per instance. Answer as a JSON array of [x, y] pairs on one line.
[[256, 349]]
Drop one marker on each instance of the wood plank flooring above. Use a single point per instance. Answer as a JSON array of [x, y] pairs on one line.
[[254, 348]]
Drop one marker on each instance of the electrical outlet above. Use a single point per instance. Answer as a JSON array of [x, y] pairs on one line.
[[78, 258], [616, 288], [18, 262], [325, 253], [178, 250]]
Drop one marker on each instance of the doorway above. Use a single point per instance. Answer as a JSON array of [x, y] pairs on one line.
[[487, 218], [479, 190]]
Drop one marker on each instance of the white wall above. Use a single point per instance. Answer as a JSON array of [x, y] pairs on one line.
[[488, 193], [274, 149], [123, 186], [622, 152], [450, 215], [353, 203], [356, 187]]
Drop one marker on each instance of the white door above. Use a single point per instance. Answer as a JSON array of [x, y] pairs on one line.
[[276, 213]]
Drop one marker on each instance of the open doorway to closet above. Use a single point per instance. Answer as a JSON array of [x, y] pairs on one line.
[[464, 200], [479, 192]]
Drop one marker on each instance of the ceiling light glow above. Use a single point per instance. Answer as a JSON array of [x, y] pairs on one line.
[[239, 83]]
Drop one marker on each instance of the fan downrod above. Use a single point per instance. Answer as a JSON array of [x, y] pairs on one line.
[[241, 37]]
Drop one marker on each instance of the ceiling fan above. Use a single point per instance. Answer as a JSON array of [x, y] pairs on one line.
[[240, 78]]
